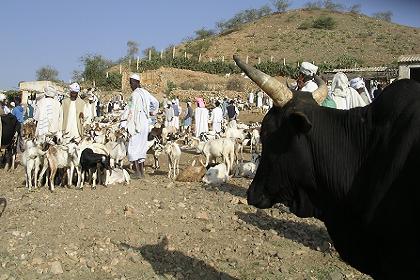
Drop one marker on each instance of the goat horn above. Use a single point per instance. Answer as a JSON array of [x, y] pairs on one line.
[[321, 92], [274, 88]]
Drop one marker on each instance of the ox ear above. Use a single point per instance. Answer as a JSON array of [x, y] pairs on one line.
[[300, 121]]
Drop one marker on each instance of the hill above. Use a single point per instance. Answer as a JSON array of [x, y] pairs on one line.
[[355, 37]]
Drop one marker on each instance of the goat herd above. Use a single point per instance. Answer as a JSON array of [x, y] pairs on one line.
[[98, 158]]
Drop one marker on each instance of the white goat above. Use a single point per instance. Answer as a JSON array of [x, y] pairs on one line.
[[216, 175], [174, 154], [221, 147], [31, 160]]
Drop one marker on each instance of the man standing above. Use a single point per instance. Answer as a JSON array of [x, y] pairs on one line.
[[251, 99], [359, 85], [90, 109], [47, 113], [18, 111], [305, 80], [217, 117], [188, 118], [232, 111], [201, 116], [73, 113], [138, 124], [344, 96]]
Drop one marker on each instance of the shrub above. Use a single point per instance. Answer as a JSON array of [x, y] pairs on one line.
[[170, 86], [324, 22], [305, 25], [195, 85], [235, 84]]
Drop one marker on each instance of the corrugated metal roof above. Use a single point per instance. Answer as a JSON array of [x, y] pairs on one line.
[[362, 69], [409, 58]]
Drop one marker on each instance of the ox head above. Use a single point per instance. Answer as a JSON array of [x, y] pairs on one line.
[[285, 172]]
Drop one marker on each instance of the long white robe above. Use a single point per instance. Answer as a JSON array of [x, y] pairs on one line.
[[48, 117], [138, 123], [251, 98], [89, 112], [260, 99], [201, 120], [344, 96], [216, 119], [71, 129], [310, 86]]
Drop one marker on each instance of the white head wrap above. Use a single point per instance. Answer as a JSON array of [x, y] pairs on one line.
[[357, 83], [50, 91], [74, 87], [12, 104], [2, 96], [135, 76], [308, 68]]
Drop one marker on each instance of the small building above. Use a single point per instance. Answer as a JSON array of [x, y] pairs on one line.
[[36, 87], [409, 67]]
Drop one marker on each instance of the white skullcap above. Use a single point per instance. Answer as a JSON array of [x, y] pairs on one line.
[[308, 68], [50, 91], [74, 87], [12, 104], [357, 83], [2, 96], [135, 76], [90, 97]]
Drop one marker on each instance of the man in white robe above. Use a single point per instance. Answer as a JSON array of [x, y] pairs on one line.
[[90, 109], [359, 85], [344, 96], [260, 96], [201, 115], [217, 118], [251, 99], [47, 113], [72, 114], [138, 124], [305, 80]]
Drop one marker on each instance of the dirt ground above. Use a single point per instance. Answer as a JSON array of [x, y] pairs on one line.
[[158, 229]]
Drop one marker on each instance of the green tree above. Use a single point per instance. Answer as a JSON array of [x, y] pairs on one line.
[[332, 6], [132, 49], [386, 16], [95, 68], [280, 5], [154, 52], [356, 8], [313, 5], [324, 22], [203, 33], [47, 73]]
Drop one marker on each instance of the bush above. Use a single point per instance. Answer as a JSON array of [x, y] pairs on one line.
[[195, 85], [235, 84], [324, 22], [170, 86], [305, 25]]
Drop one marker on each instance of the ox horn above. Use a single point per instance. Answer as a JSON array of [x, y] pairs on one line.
[[274, 88], [321, 92]]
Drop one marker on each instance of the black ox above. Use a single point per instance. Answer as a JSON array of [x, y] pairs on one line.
[[9, 135], [356, 170]]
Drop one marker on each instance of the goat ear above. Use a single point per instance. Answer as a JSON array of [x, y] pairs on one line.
[[300, 121]]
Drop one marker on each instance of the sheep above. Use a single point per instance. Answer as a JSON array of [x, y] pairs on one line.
[[247, 169], [192, 173], [221, 147], [174, 154], [118, 176], [31, 160], [216, 175]]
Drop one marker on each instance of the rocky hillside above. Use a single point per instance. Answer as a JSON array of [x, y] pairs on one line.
[[291, 35]]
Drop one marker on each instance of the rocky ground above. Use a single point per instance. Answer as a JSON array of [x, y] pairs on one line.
[[157, 229]]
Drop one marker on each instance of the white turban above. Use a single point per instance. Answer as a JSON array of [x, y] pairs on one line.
[[2, 96], [50, 91], [74, 87], [308, 68], [135, 76], [357, 83]]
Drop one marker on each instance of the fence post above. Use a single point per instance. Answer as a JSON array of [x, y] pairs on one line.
[[120, 69], [137, 63], [199, 57], [161, 54], [94, 84], [259, 60], [211, 59], [185, 54], [223, 58], [247, 59], [150, 54], [284, 61], [107, 75], [129, 63], [271, 59], [173, 52], [298, 64]]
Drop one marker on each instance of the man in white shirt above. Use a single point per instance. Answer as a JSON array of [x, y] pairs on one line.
[[47, 113], [305, 80], [217, 117]]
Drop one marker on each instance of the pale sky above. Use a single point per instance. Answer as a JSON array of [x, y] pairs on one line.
[[57, 33]]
